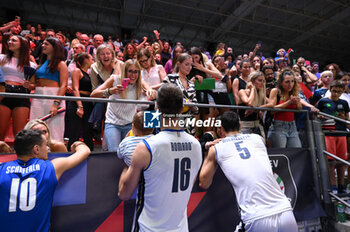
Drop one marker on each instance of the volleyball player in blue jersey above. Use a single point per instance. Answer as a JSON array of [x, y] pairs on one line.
[[27, 184]]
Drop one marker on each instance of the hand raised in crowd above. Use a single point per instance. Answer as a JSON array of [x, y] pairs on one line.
[[198, 66], [144, 38], [156, 33], [151, 94]]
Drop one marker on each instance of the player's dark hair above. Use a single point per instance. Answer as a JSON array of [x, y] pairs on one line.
[[337, 84], [138, 124], [25, 140], [230, 121], [170, 99]]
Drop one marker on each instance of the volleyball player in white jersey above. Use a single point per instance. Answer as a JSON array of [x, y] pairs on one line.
[[166, 166], [243, 159]]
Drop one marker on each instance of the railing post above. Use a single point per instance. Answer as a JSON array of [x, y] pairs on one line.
[[314, 161], [323, 167]]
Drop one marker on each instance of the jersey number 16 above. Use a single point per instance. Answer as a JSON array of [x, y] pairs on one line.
[[182, 171]]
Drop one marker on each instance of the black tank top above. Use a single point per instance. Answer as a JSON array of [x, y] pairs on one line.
[[85, 82]]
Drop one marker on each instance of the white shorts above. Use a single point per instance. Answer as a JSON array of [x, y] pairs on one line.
[[282, 222]]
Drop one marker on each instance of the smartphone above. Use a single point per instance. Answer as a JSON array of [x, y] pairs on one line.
[[125, 82]]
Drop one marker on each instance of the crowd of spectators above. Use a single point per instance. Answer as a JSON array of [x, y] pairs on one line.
[[116, 68]]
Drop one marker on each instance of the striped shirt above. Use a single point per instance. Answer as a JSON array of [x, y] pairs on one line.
[[127, 147], [189, 93]]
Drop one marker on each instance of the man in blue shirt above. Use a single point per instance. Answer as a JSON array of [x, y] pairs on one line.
[[27, 184]]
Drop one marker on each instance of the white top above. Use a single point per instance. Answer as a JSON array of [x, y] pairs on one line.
[[175, 161], [127, 147], [152, 77], [121, 113], [243, 159], [11, 71]]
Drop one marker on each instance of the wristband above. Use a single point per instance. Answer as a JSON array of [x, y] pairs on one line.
[[56, 103]]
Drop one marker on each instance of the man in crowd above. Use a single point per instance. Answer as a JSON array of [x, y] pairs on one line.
[[27, 184], [92, 49], [243, 159], [167, 164]]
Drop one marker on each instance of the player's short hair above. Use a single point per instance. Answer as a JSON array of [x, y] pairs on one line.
[[230, 121], [138, 124], [170, 99], [25, 140]]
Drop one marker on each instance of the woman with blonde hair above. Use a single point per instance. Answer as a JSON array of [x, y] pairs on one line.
[[105, 65], [254, 95], [37, 124], [128, 85]]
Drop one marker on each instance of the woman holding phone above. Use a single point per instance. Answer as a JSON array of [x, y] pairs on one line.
[[119, 115]]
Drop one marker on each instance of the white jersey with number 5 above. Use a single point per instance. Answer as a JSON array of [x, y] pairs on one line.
[[243, 159], [167, 182]]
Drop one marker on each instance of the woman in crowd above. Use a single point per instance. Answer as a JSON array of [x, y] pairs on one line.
[[130, 51], [179, 77], [202, 70], [12, 64], [283, 132], [119, 115], [253, 95], [240, 82], [37, 124], [105, 65], [334, 68], [79, 112], [223, 85], [257, 64], [151, 73], [50, 79], [170, 64]]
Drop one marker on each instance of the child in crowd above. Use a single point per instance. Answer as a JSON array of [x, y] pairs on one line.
[[335, 143]]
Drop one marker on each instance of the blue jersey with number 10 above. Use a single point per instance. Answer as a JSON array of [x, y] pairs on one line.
[[26, 193]]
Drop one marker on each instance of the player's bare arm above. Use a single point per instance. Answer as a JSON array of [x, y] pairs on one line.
[[80, 153], [208, 169], [129, 178]]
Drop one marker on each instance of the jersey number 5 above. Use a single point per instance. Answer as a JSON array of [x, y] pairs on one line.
[[182, 170], [27, 196], [242, 151]]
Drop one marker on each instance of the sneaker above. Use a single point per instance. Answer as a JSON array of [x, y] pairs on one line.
[[334, 189]]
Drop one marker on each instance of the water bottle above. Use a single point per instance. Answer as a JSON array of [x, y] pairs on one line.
[[341, 212]]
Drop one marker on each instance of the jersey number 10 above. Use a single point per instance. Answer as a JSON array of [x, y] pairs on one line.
[[182, 170], [27, 196]]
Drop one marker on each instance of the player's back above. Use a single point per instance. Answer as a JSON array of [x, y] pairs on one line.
[[244, 160], [165, 190], [26, 190]]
